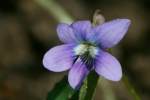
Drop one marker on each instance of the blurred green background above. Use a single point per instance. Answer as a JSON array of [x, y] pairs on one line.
[[28, 30]]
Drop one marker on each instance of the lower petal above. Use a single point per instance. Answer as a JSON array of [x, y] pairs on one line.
[[108, 66], [77, 74], [59, 58]]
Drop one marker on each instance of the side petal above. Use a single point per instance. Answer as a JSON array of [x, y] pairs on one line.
[[66, 33], [59, 58], [108, 66], [110, 33], [77, 74], [82, 28]]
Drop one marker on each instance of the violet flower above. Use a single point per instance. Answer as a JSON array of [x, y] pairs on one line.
[[85, 49]]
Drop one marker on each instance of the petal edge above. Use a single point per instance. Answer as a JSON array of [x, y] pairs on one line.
[[77, 74], [66, 33], [59, 58], [110, 33], [108, 66]]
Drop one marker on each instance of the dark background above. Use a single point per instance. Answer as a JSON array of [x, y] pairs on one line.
[[27, 31]]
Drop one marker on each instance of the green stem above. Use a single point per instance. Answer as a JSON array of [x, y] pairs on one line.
[[107, 90], [131, 88], [56, 10], [88, 88], [83, 90]]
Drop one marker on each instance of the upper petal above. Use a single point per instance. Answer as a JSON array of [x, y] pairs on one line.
[[108, 66], [110, 33], [77, 74], [66, 33], [82, 28], [59, 58]]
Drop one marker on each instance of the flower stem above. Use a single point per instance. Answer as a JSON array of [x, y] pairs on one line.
[[108, 93], [56, 10], [131, 88], [88, 88]]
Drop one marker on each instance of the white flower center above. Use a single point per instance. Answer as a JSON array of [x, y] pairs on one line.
[[81, 49]]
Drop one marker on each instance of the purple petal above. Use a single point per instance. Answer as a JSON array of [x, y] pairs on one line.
[[108, 66], [77, 74], [59, 58], [110, 33], [82, 28], [66, 33]]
